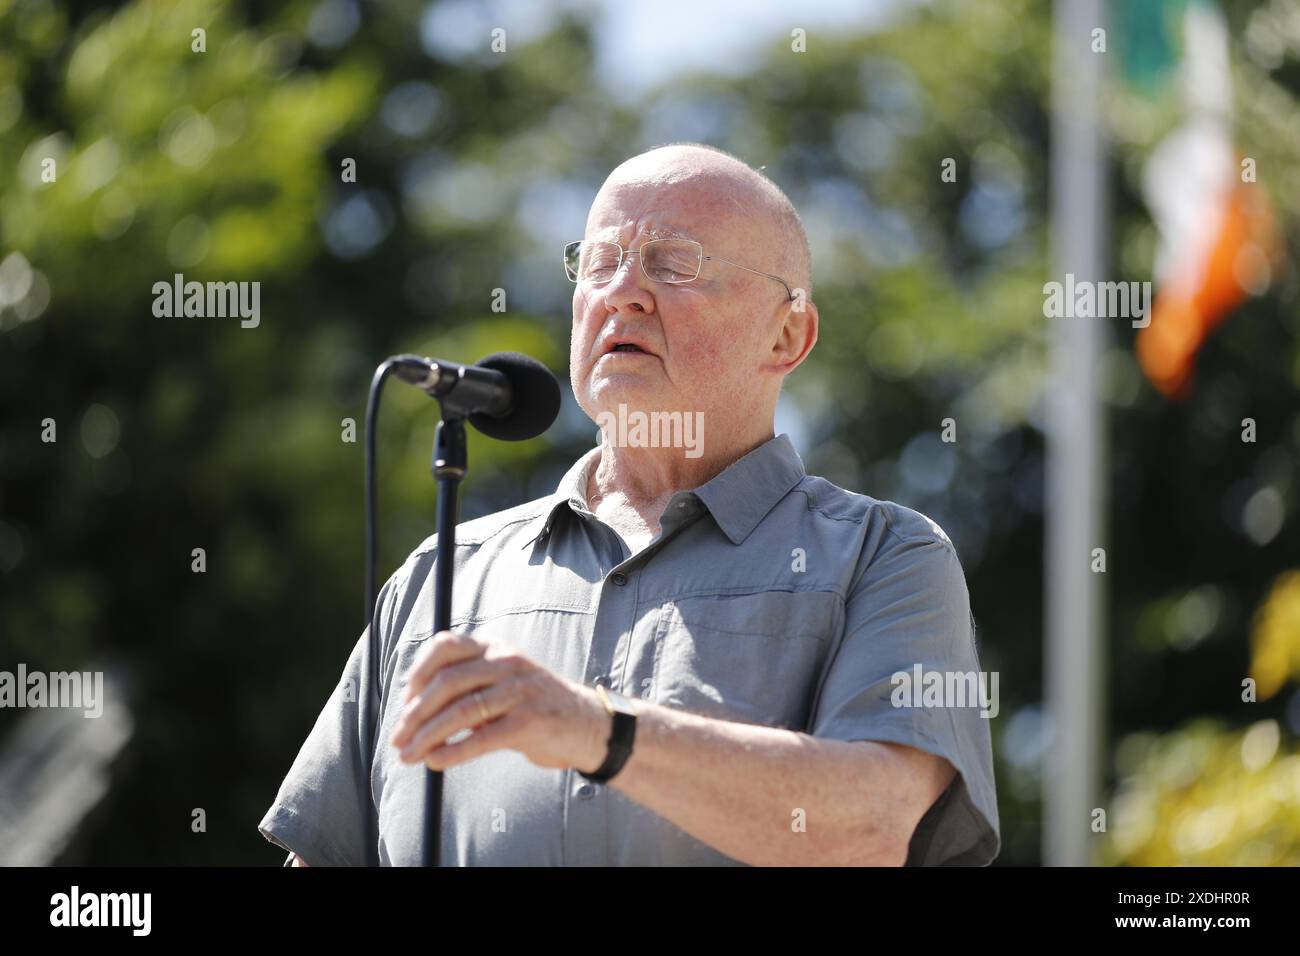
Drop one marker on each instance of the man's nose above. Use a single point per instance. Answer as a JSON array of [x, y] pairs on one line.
[[631, 262], [626, 285]]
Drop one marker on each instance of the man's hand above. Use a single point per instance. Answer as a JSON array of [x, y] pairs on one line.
[[509, 701]]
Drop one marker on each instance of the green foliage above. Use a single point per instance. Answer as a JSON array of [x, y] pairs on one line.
[[1206, 795]]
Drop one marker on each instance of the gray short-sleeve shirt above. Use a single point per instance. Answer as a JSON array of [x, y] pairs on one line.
[[770, 596]]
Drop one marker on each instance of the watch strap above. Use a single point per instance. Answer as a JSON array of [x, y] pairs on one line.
[[620, 738]]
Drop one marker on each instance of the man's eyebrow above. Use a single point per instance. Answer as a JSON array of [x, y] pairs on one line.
[[667, 234], [649, 233]]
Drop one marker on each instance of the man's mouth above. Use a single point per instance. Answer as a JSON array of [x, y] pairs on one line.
[[628, 347]]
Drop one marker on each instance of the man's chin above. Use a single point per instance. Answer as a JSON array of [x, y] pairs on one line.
[[608, 392]]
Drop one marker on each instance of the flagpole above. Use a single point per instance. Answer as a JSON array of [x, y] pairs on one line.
[[1075, 493]]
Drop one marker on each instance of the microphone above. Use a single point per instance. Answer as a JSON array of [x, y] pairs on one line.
[[506, 395]]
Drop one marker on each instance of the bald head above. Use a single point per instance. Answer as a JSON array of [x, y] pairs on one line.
[[758, 208], [719, 343]]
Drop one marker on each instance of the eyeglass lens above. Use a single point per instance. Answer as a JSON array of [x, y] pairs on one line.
[[664, 260]]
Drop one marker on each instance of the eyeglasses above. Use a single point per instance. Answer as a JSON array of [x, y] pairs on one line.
[[675, 261]]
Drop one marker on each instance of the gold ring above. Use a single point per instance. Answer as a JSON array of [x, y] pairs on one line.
[[482, 707]]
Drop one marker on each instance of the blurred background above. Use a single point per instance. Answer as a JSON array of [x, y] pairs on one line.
[[477, 155]]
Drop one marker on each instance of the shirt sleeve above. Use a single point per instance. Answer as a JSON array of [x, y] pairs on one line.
[[909, 613], [322, 808]]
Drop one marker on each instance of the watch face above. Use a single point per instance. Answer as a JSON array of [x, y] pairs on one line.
[[621, 703]]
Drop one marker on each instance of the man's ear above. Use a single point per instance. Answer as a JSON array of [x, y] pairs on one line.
[[798, 333]]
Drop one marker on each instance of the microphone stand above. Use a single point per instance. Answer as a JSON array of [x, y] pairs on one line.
[[485, 394], [450, 463]]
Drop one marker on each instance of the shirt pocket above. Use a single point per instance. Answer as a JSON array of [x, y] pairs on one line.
[[753, 657]]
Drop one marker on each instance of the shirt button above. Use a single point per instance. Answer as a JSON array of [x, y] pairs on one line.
[[586, 790], [619, 578]]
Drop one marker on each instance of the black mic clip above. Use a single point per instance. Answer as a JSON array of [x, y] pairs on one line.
[[461, 390]]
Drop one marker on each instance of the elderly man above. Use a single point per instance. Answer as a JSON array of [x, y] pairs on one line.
[[678, 658]]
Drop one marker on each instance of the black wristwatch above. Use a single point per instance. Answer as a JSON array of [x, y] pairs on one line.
[[620, 739]]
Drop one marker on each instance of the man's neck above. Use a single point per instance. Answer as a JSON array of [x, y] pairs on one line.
[[645, 478]]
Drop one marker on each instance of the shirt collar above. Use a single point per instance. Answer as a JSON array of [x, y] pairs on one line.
[[738, 497], [741, 495], [571, 492]]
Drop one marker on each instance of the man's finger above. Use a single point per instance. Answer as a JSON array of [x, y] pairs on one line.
[[496, 735], [466, 712], [443, 648], [454, 680]]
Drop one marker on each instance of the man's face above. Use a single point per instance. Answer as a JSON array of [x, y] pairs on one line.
[[704, 340]]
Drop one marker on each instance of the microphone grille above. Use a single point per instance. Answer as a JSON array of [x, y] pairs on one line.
[[535, 398]]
